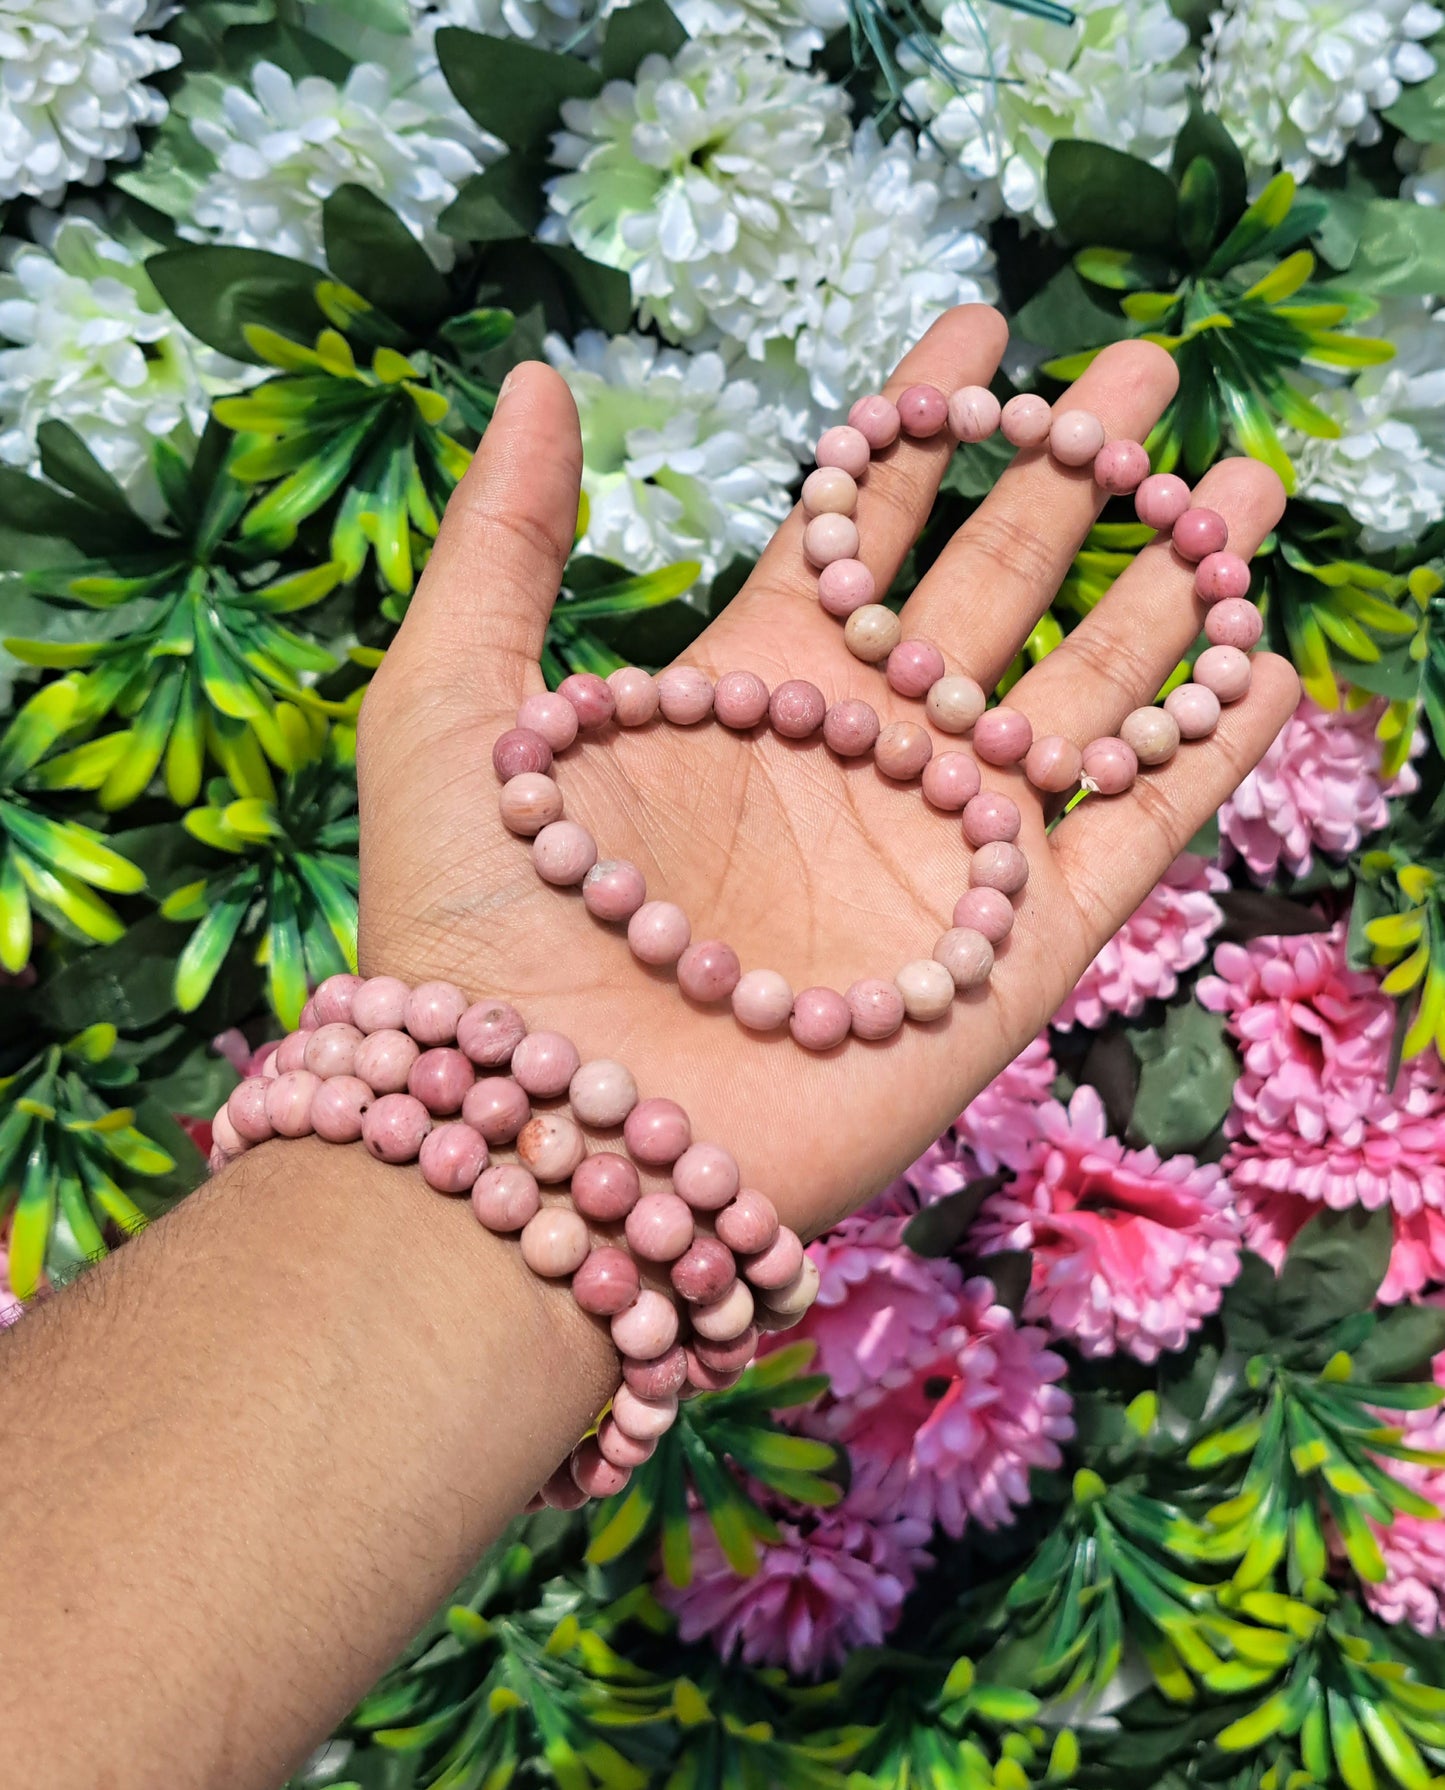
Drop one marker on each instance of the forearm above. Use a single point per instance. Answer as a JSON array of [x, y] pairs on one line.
[[300, 1407]]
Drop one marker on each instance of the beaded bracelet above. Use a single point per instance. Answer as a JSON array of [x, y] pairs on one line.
[[423, 1075]]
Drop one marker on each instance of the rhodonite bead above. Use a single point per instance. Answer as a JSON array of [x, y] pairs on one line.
[[902, 750], [635, 694], [740, 699], [926, 988], [1220, 576], [338, 1107], [612, 1445], [451, 1157], [592, 702], [613, 889], [820, 1018], [528, 803], [270, 1068], [762, 1000], [845, 585], [383, 1060], [973, 413], [1053, 763], [708, 971], [605, 1187], [999, 866], [658, 933], [432, 1012], [1075, 437], [922, 410], [544, 1063], [658, 1379], [1161, 500], [955, 703], [704, 1271], [727, 1316], [607, 1282], [380, 1004], [563, 853], [489, 1031], [291, 1051], [331, 1003], [394, 1127], [288, 1102], [1234, 622], [684, 694], [966, 955], [439, 1078], [496, 1107], [875, 1007], [561, 1491], [829, 491], [1002, 736], [1110, 766], [914, 667], [1025, 421], [308, 1021], [246, 1107], [518, 750], [796, 709], [846, 447], [647, 1329], [706, 1176], [876, 419], [951, 781], [1120, 467], [1152, 734], [749, 1224], [226, 1141], [776, 1265], [827, 538], [642, 1417], [659, 1227], [701, 1378], [505, 1197], [550, 1146], [1200, 532], [331, 1050], [990, 816], [554, 1242], [1195, 709], [602, 1093], [550, 714], [657, 1131], [729, 1356], [872, 632], [850, 727], [795, 1298], [1225, 670], [987, 911]]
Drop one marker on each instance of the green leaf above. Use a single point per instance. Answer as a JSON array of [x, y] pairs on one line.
[[1186, 1079], [67, 461], [512, 89], [205, 950], [1205, 136], [646, 28], [31, 507], [1402, 1344], [501, 203], [942, 1225], [33, 1218], [1102, 195], [1201, 208], [369, 247], [1419, 113], [1333, 1269], [1401, 249], [216, 292]]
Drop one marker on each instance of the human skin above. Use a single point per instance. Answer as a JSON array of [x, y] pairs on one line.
[[242, 1460]]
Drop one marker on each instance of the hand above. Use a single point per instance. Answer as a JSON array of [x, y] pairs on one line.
[[820, 869]]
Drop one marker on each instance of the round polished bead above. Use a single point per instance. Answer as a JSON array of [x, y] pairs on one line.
[[1161, 500], [528, 803], [1234, 622], [845, 585], [660, 1378], [902, 750], [923, 411], [1151, 734], [439, 1078], [850, 727], [380, 1004], [727, 1316], [602, 1093], [550, 714], [798, 1295], [226, 1141], [634, 692], [338, 1108], [872, 632], [551, 1146], [926, 989], [607, 1282], [563, 853], [827, 538], [561, 1491], [776, 1265], [394, 1126], [432, 1012], [966, 955], [1120, 467], [702, 1378], [684, 694], [660, 1227], [1110, 766], [740, 699], [985, 910], [496, 1107], [592, 701], [729, 1356], [1003, 736], [1075, 437], [613, 1446], [706, 1176], [708, 971], [1000, 866], [1225, 670], [1200, 532], [520, 750], [762, 1000], [1053, 763], [594, 1475], [829, 491], [704, 1271], [658, 933], [1221, 576], [291, 1051], [605, 1187], [505, 1197], [749, 1224], [451, 1157], [246, 1108], [383, 1060], [489, 1031], [876, 419], [950, 781], [796, 709], [845, 447], [914, 667], [820, 1018], [1195, 709], [613, 889], [554, 1242], [266, 1059], [288, 1102], [973, 413], [647, 1329], [955, 703], [308, 1021], [331, 1003], [643, 1418], [876, 1008], [990, 816], [544, 1063], [657, 1131], [1025, 421]]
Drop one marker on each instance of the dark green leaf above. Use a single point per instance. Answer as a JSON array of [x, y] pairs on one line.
[[1064, 318], [1334, 1269], [604, 293], [940, 1227], [215, 292], [1101, 195], [32, 507], [1204, 135], [289, 47], [1419, 113], [370, 249], [513, 90], [502, 202], [1201, 208], [646, 28], [67, 461], [1402, 1344], [1186, 1080], [1112, 1068], [1250, 1306], [1250, 914], [1010, 1270]]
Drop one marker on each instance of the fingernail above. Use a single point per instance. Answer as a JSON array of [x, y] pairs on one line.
[[506, 385]]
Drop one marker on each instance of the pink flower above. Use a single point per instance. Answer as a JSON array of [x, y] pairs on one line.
[[1318, 787], [234, 1046], [11, 1306], [1129, 1251], [1272, 1221], [1413, 1589], [1314, 1112], [1168, 932]]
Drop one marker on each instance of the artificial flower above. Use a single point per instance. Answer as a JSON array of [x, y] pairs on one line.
[[551, 24], [1413, 1547], [1272, 1221], [793, 29]]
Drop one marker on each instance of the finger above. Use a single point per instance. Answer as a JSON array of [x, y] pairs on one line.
[[1122, 652], [982, 596]]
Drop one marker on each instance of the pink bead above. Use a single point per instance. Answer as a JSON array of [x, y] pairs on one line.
[[749, 1224], [1234, 622], [288, 1102], [226, 1141], [954, 704], [706, 1176], [1221, 576], [850, 727], [702, 1378], [986, 911], [308, 1021], [1120, 467], [1003, 736], [432, 1012], [829, 491], [635, 694], [914, 667], [338, 1108], [999, 866], [496, 1107], [657, 1131], [246, 1108], [1225, 670], [875, 1007], [594, 1475], [1075, 437], [1053, 764], [1195, 709], [845, 447], [950, 781], [331, 1049], [926, 989], [590, 697], [923, 411], [602, 1093], [876, 419], [658, 933], [820, 1018], [613, 889], [730, 1356], [644, 1419], [793, 1300], [974, 413], [439, 1078], [266, 1057], [1200, 532], [902, 750], [383, 1060], [561, 1491], [658, 1379], [394, 1127], [1110, 766], [519, 750], [605, 1187], [544, 1063], [551, 1147], [291, 1052], [740, 699], [708, 971], [451, 1157], [607, 1282], [528, 803], [776, 1265], [796, 709], [704, 1271], [762, 1001], [727, 1316], [620, 1450], [379, 1005], [1025, 421], [1161, 500], [551, 715], [845, 585], [659, 1227], [1151, 734], [554, 1242], [647, 1329], [684, 694], [489, 1031], [332, 1000], [827, 538], [505, 1197], [966, 955], [990, 816], [563, 853]]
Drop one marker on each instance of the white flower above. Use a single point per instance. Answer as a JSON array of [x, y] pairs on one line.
[[72, 90], [1022, 82], [701, 179], [1424, 166], [551, 24], [679, 460], [1296, 82], [1388, 467], [796, 28], [93, 346]]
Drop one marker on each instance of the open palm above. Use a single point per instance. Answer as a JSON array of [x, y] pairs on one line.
[[813, 866]]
